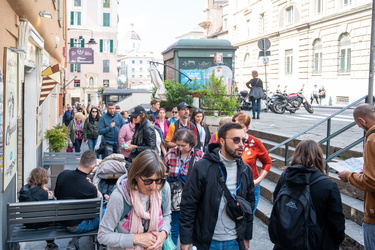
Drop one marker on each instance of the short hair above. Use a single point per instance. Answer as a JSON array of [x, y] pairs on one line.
[[110, 104], [254, 73], [78, 115], [185, 135], [123, 112], [87, 159], [38, 177], [174, 109], [225, 120], [146, 164], [242, 118], [364, 110], [309, 154], [154, 101], [222, 133], [118, 107]]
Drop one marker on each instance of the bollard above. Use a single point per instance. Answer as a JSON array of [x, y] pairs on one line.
[[330, 101]]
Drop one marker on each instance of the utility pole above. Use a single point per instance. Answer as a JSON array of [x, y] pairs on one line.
[[372, 58]]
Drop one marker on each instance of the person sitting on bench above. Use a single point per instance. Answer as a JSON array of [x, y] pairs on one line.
[[74, 184]]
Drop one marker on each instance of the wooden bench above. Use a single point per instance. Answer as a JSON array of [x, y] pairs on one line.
[[54, 211], [57, 162]]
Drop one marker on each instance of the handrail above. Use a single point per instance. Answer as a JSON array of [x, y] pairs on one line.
[[326, 139]]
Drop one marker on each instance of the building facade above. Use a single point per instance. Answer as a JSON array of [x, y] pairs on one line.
[[33, 38], [322, 42], [92, 24]]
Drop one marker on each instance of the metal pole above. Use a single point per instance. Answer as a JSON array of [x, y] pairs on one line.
[[372, 58]]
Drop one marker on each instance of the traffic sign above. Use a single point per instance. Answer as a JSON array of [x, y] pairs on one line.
[[264, 44], [268, 53], [265, 60]]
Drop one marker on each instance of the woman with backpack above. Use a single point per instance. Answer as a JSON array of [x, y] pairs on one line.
[[305, 179], [138, 213]]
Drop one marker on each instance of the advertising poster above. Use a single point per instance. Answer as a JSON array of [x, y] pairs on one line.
[[10, 117]]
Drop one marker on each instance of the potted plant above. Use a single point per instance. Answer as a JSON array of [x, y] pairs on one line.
[[57, 138]]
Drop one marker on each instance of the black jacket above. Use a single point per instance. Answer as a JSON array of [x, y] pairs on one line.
[[327, 201], [201, 199], [144, 137], [90, 129]]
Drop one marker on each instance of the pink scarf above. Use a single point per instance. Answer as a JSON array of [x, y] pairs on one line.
[[138, 213], [165, 127]]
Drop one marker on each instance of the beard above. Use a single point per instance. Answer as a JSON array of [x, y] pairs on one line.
[[234, 153]]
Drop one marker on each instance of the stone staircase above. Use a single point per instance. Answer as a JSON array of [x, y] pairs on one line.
[[352, 198]]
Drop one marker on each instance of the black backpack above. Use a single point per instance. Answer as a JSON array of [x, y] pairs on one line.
[[293, 223]]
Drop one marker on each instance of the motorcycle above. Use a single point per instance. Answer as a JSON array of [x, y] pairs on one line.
[[243, 99], [291, 103]]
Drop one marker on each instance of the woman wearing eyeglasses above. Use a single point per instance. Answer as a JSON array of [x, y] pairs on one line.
[[90, 129], [254, 150], [204, 132], [174, 116], [138, 212], [179, 160]]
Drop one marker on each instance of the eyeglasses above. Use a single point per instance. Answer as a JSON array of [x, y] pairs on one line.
[[174, 112], [237, 140], [148, 182]]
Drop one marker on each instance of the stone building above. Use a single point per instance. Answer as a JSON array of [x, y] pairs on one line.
[[322, 42]]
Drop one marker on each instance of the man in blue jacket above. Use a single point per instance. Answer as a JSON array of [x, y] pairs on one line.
[[109, 127]]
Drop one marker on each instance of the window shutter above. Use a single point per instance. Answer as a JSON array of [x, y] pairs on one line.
[[71, 67], [78, 18], [78, 67], [71, 42], [111, 46], [101, 45], [82, 43], [71, 18]]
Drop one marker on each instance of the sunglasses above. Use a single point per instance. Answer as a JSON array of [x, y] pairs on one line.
[[148, 182], [174, 112], [237, 140]]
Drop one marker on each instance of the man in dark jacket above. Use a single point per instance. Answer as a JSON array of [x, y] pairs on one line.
[[109, 127], [67, 117], [204, 222]]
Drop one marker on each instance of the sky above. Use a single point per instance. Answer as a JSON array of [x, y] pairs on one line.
[[159, 22]]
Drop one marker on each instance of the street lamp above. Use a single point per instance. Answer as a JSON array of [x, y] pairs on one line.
[[45, 14]]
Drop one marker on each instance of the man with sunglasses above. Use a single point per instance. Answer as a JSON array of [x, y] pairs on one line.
[[204, 221]]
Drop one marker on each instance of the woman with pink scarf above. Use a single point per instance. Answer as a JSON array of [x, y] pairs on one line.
[[138, 215], [161, 122]]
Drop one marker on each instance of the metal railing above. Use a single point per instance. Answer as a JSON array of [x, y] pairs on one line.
[[327, 139]]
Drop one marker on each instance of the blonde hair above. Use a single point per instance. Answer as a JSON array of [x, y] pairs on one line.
[[78, 115]]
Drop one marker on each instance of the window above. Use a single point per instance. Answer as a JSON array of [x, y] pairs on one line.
[[106, 20], [75, 18], [140, 61], [261, 24], [91, 81], [133, 70], [106, 83], [248, 28], [77, 3], [106, 3], [105, 66], [75, 67], [140, 70], [133, 61], [246, 60], [289, 15], [319, 6], [225, 24], [346, 2], [288, 62], [133, 76], [345, 53], [317, 47], [140, 76], [106, 46], [77, 83]]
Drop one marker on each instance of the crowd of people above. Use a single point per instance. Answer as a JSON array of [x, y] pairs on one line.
[[188, 187]]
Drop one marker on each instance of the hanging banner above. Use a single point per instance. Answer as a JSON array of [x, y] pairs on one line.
[[81, 56]]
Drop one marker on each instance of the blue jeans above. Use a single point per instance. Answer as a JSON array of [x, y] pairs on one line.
[[257, 197], [369, 235], [92, 143], [87, 225], [224, 245], [255, 103], [175, 226], [77, 145]]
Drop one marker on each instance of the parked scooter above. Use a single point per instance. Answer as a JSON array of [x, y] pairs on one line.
[[243, 99], [291, 103]]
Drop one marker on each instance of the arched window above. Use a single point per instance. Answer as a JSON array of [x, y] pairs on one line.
[[246, 59], [345, 53], [91, 81], [317, 47]]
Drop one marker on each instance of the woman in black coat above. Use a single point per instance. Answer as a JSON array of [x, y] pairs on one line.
[[307, 162], [144, 135], [197, 118]]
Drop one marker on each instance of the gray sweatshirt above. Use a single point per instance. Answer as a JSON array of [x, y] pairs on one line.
[[115, 233]]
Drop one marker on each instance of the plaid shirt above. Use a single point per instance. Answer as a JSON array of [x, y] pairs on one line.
[[175, 164]]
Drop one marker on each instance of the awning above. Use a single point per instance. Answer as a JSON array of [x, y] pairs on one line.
[[51, 77]]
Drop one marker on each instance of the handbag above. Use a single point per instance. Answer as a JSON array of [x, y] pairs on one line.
[[69, 149], [169, 244], [178, 186]]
